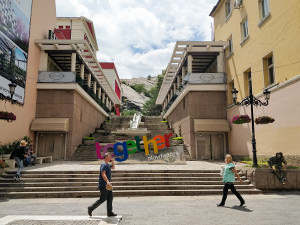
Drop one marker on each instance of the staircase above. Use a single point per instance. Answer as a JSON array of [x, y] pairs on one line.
[[104, 136], [70, 184]]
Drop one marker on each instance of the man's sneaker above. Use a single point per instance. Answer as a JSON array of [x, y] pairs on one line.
[[220, 204], [242, 203], [111, 214], [90, 211]]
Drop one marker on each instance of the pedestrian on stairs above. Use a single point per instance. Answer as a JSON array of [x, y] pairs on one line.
[[229, 179], [18, 155], [105, 186]]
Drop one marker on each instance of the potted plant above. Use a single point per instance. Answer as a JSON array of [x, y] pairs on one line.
[[239, 119], [88, 140], [8, 116], [264, 120], [177, 140]]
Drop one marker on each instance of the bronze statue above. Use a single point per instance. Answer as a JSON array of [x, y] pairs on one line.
[[275, 163]]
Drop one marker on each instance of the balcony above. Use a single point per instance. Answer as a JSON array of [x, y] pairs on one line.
[[61, 77]]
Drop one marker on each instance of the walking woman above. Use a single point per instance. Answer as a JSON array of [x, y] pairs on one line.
[[228, 179]]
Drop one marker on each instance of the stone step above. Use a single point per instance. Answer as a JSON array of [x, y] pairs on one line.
[[121, 193], [116, 175], [116, 188], [115, 183], [114, 179]]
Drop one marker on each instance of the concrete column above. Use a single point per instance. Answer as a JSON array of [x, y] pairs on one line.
[[82, 71], [220, 62], [106, 101], [178, 80], [73, 62], [99, 92], [190, 64], [95, 87], [109, 105], [183, 72], [89, 76], [174, 88], [44, 61], [103, 97]]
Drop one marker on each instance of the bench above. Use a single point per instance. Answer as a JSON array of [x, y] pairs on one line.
[[45, 159]]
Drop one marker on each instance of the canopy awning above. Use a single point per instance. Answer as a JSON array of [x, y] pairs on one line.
[[50, 124], [211, 125]]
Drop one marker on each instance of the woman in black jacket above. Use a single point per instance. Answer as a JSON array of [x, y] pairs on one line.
[[18, 154]]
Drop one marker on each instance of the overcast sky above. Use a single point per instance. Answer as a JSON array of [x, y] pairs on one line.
[[139, 35]]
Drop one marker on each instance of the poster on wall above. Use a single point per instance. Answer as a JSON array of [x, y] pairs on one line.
[[14, 40]]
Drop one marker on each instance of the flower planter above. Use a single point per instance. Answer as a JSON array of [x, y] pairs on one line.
[[264, 120], [240, 119], [5, 156], [88, 142], [177, 142], [8, 116]]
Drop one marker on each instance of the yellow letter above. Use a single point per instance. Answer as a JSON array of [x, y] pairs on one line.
[[146, 143]]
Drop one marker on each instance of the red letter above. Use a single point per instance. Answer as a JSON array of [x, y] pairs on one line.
[[160, 140], [167, 136]]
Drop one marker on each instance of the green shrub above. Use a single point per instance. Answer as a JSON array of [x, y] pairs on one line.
[[8, 148], [88, 138], [177, 138]]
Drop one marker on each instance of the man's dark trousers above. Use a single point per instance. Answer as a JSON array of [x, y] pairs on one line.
[[105, 195]]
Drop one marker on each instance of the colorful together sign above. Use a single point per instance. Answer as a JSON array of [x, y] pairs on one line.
[[131, 146]]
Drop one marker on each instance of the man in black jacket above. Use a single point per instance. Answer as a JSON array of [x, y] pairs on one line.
[[18, 154]]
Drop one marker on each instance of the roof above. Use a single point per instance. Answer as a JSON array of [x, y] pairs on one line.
[[178, 58], [215, 8], [111, 66], [50, 124], [59, 48]]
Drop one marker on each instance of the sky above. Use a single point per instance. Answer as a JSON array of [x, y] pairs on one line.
[[139, 35]]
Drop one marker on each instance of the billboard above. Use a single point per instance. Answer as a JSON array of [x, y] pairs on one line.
[[14, 40]]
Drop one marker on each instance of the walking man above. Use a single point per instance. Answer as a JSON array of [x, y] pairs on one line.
[[105, 186]]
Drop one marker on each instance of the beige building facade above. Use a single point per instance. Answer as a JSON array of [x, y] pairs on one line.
[[262, 52], [193, 98], [67, 94]]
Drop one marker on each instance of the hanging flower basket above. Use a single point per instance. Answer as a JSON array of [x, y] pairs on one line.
[[8, 116], [239, 119], [264, 120]]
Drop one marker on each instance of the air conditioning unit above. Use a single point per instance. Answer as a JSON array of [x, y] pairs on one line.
[[237, 4]]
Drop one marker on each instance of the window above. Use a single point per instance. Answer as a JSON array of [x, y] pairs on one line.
[[229, 47], [228, 8], [264, 10], [244, 29], [268, 65], [247, 81]]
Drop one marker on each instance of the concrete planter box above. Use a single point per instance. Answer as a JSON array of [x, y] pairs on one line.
[[5, 156], [265, 179], [88, 142], [177, 142]]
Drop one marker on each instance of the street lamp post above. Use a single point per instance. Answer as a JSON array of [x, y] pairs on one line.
[[251, 100]]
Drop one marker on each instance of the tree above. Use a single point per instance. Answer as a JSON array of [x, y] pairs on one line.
[[150, 108]]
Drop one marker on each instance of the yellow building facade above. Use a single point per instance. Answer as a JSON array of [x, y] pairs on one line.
[[263, 51]]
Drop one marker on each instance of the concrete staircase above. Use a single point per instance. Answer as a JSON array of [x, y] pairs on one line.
[[104, 136], [70, 184]]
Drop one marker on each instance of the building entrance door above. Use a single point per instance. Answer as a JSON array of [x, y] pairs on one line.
[[51, 144], [210, 146]]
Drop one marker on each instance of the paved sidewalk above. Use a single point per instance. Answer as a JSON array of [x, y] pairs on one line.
[[264, 209]]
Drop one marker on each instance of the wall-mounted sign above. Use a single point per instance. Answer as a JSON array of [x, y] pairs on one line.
[[56, 77], [14, 40]]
